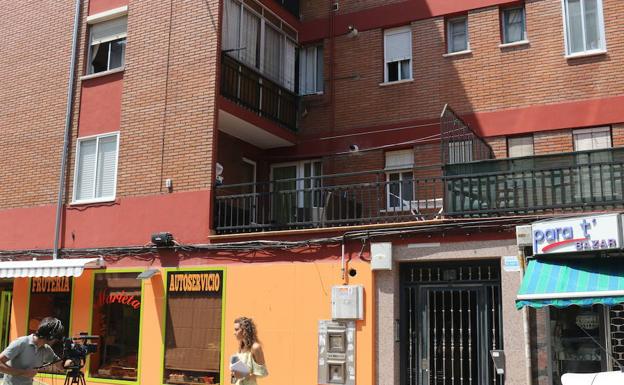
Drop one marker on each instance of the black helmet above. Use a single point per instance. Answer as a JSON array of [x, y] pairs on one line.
[[50, 328]]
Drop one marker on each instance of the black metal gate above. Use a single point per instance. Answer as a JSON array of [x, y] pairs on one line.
[[450, 320]]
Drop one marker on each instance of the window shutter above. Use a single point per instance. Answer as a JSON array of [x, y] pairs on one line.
[[398, 45], [106, 166], [396, 160], [109, 30], [85, 175]]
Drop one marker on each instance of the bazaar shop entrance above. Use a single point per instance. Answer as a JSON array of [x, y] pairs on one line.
[[450, 320]]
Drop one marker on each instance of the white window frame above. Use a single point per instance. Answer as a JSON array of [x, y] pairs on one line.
[[300, 182], [76, 168], [601, 30], [449, 35], [122, 13], [504, 24], [303, 64], [395, 31], [520, 141], [236, 52]]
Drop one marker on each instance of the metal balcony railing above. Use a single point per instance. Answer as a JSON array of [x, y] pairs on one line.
[[252, 90], [533, 185]]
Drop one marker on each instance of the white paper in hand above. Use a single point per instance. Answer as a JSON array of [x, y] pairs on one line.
[[238, 366]]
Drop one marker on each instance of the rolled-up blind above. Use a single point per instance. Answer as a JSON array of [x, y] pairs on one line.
[[109, 30], [398, 44]]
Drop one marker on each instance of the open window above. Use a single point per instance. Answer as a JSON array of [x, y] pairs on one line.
[[107, 45]]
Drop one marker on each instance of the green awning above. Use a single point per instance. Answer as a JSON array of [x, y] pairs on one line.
[[581, 282]]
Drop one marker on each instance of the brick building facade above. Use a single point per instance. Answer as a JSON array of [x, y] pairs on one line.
[[271, 139]]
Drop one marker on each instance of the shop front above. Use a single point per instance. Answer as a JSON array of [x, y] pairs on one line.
[[576, 278], [170, 324]]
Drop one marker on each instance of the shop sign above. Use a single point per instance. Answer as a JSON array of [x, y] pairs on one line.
[[119, 297], [50, 285], [592, 233], [198, 281]]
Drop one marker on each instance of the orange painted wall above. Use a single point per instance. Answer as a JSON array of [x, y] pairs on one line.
[[286, 300]]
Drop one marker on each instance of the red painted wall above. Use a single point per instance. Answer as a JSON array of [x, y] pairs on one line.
[[125, 222], [97, 6], [100, 105]]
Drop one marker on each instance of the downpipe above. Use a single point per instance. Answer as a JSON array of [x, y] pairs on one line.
[[67, 133]]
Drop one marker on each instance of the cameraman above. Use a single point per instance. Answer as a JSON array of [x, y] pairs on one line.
[[24, 355]]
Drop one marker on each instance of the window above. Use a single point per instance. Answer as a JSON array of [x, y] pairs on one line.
[[520, 146], [514, 26], [260, 40], [398, 54], [457, 34], [311, 70], [584, 26], [595, 176], [96, 168], [116, 315], [107, 45], [592, 138], [193, 332], [400, 179], [50, 297], [297, 191]]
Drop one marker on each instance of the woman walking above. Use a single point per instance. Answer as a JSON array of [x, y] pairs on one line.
[[249, 353]]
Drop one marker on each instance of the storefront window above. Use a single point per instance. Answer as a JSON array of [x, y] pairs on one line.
[[193, 334], [116, 315], [50, 297], [578, 340]]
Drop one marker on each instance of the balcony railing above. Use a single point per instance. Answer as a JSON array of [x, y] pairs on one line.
[[533, 185], [250, 89]]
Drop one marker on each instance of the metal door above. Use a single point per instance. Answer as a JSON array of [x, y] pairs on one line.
[[450, 327]]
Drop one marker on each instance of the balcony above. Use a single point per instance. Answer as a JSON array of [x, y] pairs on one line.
[[591, 180], [255, 92]]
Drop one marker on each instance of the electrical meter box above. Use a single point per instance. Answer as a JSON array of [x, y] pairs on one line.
[[348, 302], [336, 352], [381, 255]]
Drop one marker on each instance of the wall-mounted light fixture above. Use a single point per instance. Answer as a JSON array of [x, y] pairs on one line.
[[352, 31], [354, 148]]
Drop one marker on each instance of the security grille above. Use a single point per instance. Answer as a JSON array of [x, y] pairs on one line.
[[451, 319]]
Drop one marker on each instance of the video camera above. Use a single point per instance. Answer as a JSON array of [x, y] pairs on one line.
[[77, 348]]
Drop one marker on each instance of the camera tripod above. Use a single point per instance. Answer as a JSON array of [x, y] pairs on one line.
[[74, 376]]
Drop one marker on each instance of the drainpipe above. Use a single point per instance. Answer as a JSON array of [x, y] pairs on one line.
[[66, 140]]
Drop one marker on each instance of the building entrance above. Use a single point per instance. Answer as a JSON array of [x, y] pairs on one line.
[[450, 320]]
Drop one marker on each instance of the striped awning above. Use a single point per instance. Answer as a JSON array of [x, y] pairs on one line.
[[581, 282], [45, 268]]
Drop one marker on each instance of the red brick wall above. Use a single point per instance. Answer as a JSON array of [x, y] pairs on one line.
[[34, 73], [552, 142], [488, 79]]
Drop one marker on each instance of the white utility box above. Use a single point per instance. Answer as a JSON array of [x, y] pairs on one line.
[[348, 302], [381, 256]]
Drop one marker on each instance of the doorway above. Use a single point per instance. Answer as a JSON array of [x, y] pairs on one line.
[[450, 321]]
